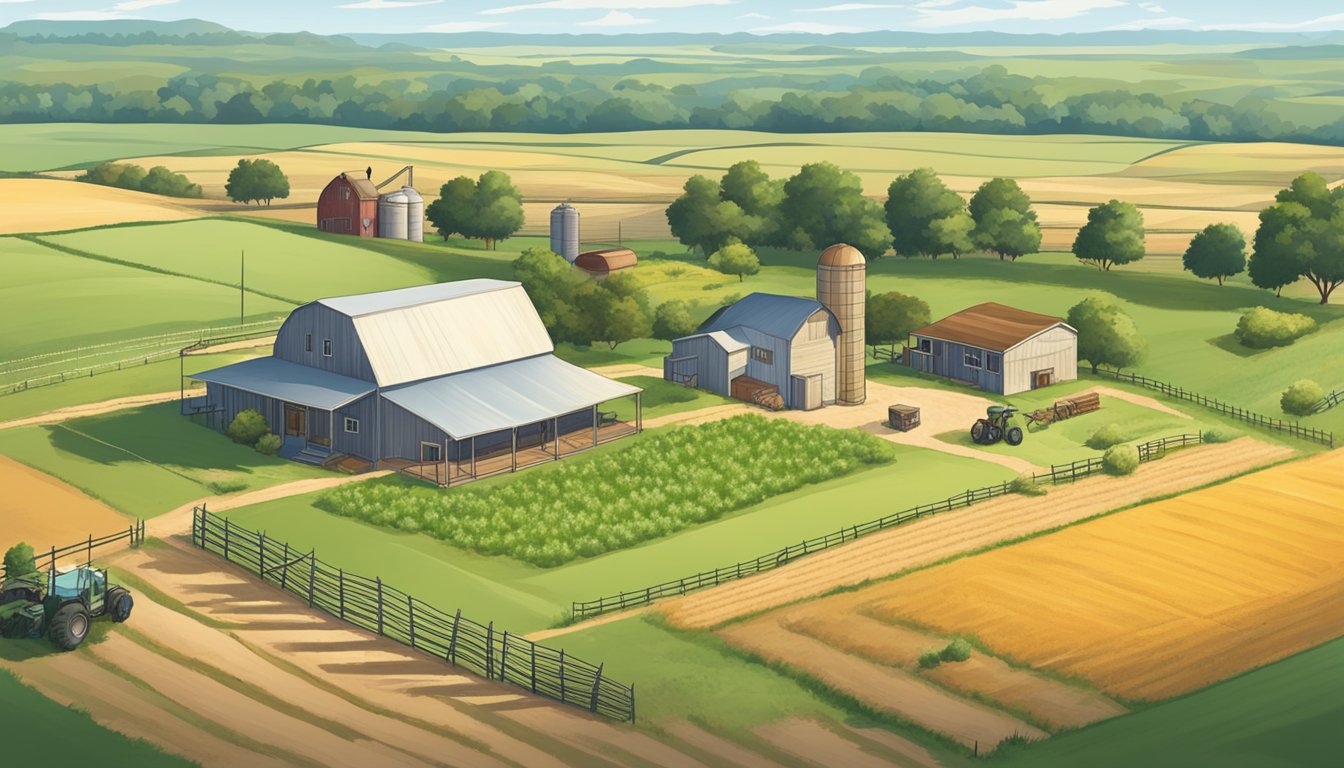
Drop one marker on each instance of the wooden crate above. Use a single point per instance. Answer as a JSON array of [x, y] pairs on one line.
[[903, 417]]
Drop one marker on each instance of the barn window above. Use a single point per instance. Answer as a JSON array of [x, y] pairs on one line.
[[308, 342], [992, 363], [763, 355], [326, 347], [972, 359], [352, 425], [926, 345], [345, 193]]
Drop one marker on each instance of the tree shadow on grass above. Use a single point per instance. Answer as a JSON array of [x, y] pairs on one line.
[[1229, 343]]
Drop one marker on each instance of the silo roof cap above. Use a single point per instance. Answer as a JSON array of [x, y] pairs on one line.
[[841, 255]]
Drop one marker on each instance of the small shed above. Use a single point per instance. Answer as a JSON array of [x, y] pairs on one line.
[[604, 262], [903, 418], [997, 348]]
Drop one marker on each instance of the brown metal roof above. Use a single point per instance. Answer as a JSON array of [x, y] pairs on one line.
[[364, 188], [609, 260], [989, 326]]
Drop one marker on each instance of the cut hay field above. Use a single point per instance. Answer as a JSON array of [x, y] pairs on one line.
[[1159, 600], [43, 511], [44, 205]]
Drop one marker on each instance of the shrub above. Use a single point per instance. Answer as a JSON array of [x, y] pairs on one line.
[[1105, 437], [1262, 328], [247, 427], [1301, 398], [19, 560], [668, 481], [1220, 435], [673, 319], [221, 487], [957, 650], [929, 659], [268, 444], [1026, 485], [1120, 460]]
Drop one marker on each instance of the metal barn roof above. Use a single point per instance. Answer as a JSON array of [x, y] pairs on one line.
[[427, 331], [363, 187], [291, 382], [990, 326], [504, 396], [778, 316], [730, 340]]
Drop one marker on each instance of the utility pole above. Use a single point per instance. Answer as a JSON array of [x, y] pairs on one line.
[[242, 274]]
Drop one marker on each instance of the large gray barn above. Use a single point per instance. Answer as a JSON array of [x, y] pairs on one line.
[[449, 382]]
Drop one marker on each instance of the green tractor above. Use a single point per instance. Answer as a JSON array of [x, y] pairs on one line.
[[997, 426], [60, 605]]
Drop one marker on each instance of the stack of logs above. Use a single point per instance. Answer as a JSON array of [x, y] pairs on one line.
[[1066, 409]]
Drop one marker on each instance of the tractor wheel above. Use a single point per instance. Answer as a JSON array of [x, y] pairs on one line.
[[1013, 436], [119, 603], [70, 626], [995, 435], [978, 432]]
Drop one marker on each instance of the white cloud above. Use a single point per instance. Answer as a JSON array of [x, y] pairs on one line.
[[378, 5], [461, 26], [1322, 23], [603, 5], [806, 27], [852, 7], [140, 5], [1164, 22], [1152, 8], [754, 16], [1015, 10], [616, 19]]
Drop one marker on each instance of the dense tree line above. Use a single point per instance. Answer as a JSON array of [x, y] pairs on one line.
[[157, 180], [579, 309]]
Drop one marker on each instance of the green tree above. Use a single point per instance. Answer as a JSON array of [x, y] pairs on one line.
[[19, 560], [1218, 251], [824, 205], [454, 209], [1301, 234], [752, 189], [499, 208], [1106, 335], [701, 219], [161, 181], [257, 181], [1112, 235], [925, 217], [735, 258], [550, 282], [1302, 398], [124, 175], [673, 319], [891, 317], [1004, 221]]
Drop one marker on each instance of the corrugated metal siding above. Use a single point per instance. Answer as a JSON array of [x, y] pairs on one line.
[[451, 336], [816, 357], [954, 362], [709, 362], [347, 358], [1056, 348], [364, 443], [403, 432], [775, 372]]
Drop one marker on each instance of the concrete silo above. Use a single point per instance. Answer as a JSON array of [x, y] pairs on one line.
[[392, 215], [415, 214], [841, 285], [565, 231]]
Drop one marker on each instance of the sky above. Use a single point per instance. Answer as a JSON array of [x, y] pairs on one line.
[[755, 16]]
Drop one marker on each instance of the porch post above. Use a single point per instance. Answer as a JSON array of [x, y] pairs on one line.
[[639, 412], [513, 449], [594, 426], [555, 436], [331, 431], [447, 473], [473, 457]]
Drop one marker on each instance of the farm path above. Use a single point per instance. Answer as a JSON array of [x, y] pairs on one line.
[[71, 412], [1143, 400], [948, 534], [883, 688], [234, 346]]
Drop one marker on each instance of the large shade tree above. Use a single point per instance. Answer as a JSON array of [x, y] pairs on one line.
[[1301, 236], [1004, 221], [1218, 252], [1112, 235], [701, 219], [257, 180], [824, 205], [925, 217], [489, 208], [1106, 335], [889, 318]]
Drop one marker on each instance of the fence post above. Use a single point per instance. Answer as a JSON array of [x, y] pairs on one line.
[[226, 539], [562, 674], [452, 641], [597, 683], [261, 557], [534, 667], [504, 656], [379, 581], [410, 611], [632, 703], [312, 574], [340, 575], [284, 568], [490, 651]]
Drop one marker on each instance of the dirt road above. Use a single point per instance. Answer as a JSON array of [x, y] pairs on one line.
[[953, 533], [95, 409]]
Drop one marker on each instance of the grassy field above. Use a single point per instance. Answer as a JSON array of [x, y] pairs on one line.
[[1282, 715], [35, 726], [663, 398]]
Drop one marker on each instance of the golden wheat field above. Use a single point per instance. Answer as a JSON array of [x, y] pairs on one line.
[[1159, 600], [44, 205]]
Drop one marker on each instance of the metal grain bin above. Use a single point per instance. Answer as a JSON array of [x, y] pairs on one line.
[[415, 215], [565, 231], [392, 215]]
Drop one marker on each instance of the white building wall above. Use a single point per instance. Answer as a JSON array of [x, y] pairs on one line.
[[1055, 348], [809, 356]]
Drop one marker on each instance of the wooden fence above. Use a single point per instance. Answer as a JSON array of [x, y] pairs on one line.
[[378, 607], [1058, 473], [47, 560], [1330, 401], [1294, 429]]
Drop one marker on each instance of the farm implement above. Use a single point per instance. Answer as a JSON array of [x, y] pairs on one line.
[[997, 426], [1061, 410], [61, 605]]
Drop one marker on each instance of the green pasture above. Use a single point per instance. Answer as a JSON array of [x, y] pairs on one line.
[[36, 730], [663, 398], [1282, 715], [52, 301], [147, 461], [526, 598]]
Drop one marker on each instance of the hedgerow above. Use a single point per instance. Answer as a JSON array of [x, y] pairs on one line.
[[666, 482]]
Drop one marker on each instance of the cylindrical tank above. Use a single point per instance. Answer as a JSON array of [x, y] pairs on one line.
[[392, 209], [841, 285], [415, 215], [565, 231]]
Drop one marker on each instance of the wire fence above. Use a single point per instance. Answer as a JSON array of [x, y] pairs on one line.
[[378, 607], [1294, 429], [47, 560], [1058, 473]]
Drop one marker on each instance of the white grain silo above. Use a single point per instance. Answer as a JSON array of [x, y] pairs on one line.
[[392, 215], [841, 286], [565, 231], [415, 214]]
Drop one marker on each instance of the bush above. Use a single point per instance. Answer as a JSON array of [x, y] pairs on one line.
[[247, 427], [221, 487], [1302, 398], [1026, 485], [929, 659], [19, 560], [1262, 328], [1120, 460], [268, 444], [1105, 437], [667, 481], [1220, 435], [957, 650], [673, 319]]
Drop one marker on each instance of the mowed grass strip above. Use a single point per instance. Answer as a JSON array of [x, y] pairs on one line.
[[667, 481]]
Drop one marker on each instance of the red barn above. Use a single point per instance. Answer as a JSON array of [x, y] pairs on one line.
[[349, 205]]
